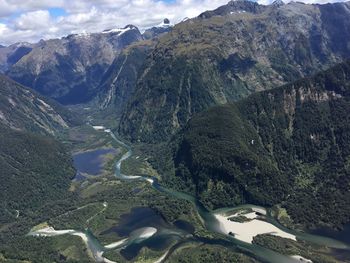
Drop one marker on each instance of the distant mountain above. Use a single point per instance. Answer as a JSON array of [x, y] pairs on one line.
[[12, 54], [35, 168], [236, 7], [288, 146], [159, 30], [118, 84], [70, 68], [226, 54]]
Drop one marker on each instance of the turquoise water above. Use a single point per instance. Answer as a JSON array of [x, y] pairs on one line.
[[181, 232], [213, 225]]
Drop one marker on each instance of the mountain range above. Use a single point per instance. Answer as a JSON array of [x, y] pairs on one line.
[[244, 104], [226, 54], [70, 69]]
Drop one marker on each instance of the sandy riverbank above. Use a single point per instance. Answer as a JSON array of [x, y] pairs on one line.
[[246, 231]]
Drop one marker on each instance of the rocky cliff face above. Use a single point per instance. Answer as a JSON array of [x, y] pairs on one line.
[[69, 69], [119, 82], [226, 54]]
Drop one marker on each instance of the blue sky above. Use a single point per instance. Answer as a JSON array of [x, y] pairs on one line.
[[57, 11], [32, 20]]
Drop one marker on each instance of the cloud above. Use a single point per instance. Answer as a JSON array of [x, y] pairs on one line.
[[31, 20]]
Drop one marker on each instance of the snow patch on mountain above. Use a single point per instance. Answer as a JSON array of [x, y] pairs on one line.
[[120, 31]]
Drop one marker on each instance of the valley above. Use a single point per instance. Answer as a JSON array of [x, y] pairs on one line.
[[224, 137], [157, 233]]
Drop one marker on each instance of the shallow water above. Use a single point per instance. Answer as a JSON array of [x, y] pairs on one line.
[[140, 217], [90, 162], [342, 235], [180, 233]]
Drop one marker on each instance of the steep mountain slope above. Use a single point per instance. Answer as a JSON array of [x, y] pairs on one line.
[[229, 53], [23, 109], [69, 69], [286, 146], [35, 168], [118, 84], [12, 54]]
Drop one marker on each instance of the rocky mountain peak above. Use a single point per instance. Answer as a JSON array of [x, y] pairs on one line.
[[278, 3], [156, 31], [240, 6], [69, 69], [130, 27]]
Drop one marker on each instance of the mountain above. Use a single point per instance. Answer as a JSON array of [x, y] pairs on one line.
[[69, 69], [25, 110], [156, 31], [35, 168], [236, 7], [12, 54], [226, 54], [118, 83], [287, 146]]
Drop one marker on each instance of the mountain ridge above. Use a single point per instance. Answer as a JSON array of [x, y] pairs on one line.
[[24, 109], [287, 146], [69, 69], [204, 62]]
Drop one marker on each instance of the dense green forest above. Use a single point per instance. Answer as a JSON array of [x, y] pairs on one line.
[[288, 146], [35, 170]]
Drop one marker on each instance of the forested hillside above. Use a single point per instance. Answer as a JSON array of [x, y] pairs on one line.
[[226, 54], [35, 168], [288, 146]]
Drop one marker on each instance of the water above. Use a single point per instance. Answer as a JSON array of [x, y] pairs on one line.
[[90, 162], [185, 226], [342, 235], [141, 217], [137, 218], [130, 225], [212, 224]]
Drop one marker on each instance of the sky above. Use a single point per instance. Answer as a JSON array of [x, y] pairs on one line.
[[32, 20]]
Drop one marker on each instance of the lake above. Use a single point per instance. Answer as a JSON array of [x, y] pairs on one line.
[[91, 162]]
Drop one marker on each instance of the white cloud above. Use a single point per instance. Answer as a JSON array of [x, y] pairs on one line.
[[35, 21]]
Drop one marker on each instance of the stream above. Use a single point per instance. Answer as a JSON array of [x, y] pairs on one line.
[[238, 234]]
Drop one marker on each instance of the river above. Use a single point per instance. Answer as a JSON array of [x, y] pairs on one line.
[[237, 235]]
